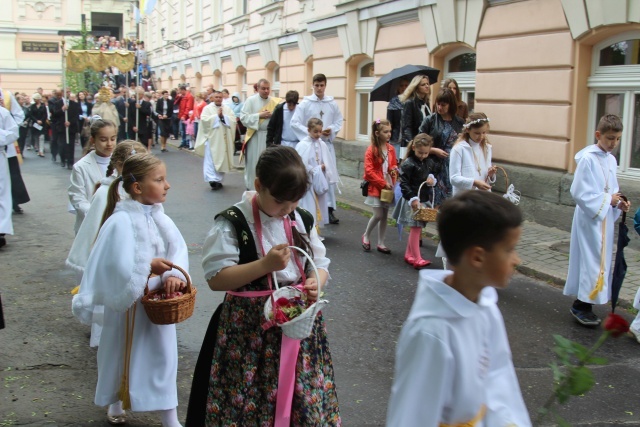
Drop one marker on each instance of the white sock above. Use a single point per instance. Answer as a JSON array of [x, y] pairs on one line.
[[115, 409], [170, 418]]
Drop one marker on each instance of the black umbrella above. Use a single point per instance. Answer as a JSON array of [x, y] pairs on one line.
[[620, 265], [387, 87]]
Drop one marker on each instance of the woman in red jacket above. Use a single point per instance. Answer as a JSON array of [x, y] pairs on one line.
[[380, 170]]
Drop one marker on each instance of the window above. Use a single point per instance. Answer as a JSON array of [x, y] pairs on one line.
[[364, 110], [615, 89], [275, 81], [461, 66]]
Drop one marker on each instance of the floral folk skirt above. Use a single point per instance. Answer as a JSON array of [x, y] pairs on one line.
[[243, 372]]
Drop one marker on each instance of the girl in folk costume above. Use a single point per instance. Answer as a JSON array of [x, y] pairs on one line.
[[136, 239], [598, 205], [470, 159], [88, 171], [236, 380], [316, 157], [88, 231], [414, 170], [380, 168]]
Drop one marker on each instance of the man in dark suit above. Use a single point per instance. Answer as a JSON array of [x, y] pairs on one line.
[[279, 131], [164, 111], [55, 104], [119, 102], [139, 118], [67, 146]]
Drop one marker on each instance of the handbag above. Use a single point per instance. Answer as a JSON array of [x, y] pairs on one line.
[[364, 187], [86, 130]]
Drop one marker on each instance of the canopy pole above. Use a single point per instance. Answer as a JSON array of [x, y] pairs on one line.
[[126, 106], [64, 91]]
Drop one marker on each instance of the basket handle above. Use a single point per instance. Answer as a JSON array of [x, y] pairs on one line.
[[506, 177], [181, 270], [433, 193], [313, 265]]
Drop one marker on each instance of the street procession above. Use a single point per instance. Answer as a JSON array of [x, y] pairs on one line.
[[299, 213]]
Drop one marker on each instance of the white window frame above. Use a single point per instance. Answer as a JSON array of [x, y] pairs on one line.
[[624, 79], [363, 85], [466, 80], [275, 85]]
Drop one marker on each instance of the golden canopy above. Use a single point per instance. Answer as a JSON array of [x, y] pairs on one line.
[[80, 60]]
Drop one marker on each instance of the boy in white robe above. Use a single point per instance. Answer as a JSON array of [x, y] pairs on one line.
[[453, 361], [598, 206], [325, 108], [215, 140]]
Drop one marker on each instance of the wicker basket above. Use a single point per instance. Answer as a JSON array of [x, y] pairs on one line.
[[510, 193], [299, 327], [426, 212], [506, 177], [170, 311]]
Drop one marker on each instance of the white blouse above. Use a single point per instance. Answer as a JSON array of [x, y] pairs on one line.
[[220, 249]]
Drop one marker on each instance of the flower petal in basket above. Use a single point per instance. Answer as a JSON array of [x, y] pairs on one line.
[[301, 326]]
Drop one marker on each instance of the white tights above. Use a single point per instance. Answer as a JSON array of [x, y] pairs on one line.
[[169, 416], [379, 218]]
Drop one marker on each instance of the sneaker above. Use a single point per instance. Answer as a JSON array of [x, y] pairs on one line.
[[586, 318], [635, 334]]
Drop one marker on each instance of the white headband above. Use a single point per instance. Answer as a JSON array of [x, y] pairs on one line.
[[475, 122]]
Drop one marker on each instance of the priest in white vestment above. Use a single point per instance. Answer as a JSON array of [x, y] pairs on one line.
[[255, 115], [215, 140], [325, 108]]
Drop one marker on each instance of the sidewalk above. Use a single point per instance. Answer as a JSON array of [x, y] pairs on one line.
[[544, 251]]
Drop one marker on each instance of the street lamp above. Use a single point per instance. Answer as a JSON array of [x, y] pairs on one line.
[[182, 44]]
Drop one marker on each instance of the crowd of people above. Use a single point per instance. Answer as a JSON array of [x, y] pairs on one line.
[[422, 157]]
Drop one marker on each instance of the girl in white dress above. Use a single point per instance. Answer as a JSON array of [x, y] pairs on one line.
[[88, 231], [92, 167], [470, 158], [315, 156], [136, 238]]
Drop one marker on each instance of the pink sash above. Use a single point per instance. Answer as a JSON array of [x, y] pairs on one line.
[[289, 347]]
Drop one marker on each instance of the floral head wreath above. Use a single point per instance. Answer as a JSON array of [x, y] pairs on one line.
[[475, 122]]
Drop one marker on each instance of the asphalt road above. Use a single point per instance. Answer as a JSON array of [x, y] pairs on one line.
[[48, 371]]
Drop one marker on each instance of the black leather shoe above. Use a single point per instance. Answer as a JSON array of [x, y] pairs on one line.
[[17, 209], [3, 241], [333, 219]]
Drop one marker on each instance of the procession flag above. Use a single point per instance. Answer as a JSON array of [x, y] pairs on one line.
[[149, 6], [136, 14]]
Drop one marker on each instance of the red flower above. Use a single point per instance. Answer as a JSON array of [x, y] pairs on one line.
[[616, 325], [282, 302]]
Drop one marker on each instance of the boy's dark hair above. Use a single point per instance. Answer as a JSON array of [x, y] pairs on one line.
[[609, 122], [319, 78], [292, 97], [475, 218]]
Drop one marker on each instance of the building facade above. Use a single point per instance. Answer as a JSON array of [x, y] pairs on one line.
[[31, 32], [542, 70]]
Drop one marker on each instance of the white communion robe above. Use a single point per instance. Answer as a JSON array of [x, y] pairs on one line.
[[115, 276], [314, 153], [82, 244], [249, 116], [593, 184], [215, 141], [452, 358], [464, 161], [325, 109], [9, 132], [87, 171]]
